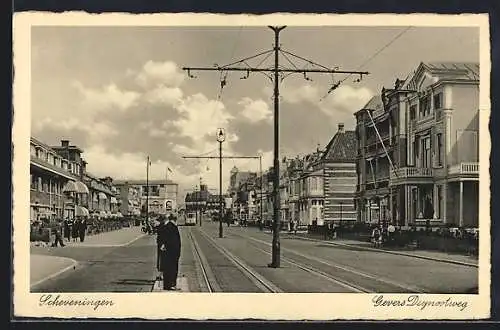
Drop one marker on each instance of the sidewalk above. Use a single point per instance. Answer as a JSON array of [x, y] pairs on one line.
[[182, 285], [43, 267], [452, 258], [120, 237], [422, 254]]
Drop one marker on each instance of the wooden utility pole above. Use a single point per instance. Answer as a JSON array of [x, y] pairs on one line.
[[276, 71]]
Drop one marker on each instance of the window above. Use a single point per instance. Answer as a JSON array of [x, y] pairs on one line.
[[33, 181], [438, 101], [425, 106], [413, 112], [426, 152], [413, 154], [439, 146]]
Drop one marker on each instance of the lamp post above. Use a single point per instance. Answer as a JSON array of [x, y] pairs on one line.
[[341, 228], [147, 189], [221, 137]]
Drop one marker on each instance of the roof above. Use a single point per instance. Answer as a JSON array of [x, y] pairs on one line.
[[342, 147], [467, 70], [375, 103]]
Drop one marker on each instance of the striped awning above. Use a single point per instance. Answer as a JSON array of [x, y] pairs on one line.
[[82, 211], [70, 186], [81, 187], [102, 196], [113, 200]]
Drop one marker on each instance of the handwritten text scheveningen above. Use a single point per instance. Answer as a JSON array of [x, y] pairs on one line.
[[57, 301], [419, 302]]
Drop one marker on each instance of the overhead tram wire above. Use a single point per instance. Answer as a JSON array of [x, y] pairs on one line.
[[224, 74], [399, 35]]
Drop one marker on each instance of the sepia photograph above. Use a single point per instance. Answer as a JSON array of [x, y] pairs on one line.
[[169, 159]]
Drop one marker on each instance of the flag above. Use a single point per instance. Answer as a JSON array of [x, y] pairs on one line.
[[168, 169]]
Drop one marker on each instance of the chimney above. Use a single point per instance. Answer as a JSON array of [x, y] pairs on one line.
[[341, 128], [65, 143]]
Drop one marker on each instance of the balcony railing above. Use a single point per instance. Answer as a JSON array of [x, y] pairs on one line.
[[411, 172], [464, 168]]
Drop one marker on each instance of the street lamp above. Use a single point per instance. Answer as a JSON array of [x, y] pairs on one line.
[[221, 137]]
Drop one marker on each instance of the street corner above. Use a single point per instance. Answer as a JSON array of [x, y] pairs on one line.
[[182, 285], [44, 267]]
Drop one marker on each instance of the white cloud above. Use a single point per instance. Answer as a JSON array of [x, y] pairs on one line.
[[164, 95], [109, 97], [347, 99], [159, 73], [200, 116], [304, 93], [96, 131], [255, 110]]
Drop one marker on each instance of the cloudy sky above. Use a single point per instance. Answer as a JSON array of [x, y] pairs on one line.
[[120, 94]]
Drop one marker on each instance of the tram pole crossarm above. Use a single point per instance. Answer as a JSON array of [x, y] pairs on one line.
[[276, 70]]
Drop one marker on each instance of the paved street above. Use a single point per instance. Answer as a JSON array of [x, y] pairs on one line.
[[311, 266], [119, 261], [124, 261]]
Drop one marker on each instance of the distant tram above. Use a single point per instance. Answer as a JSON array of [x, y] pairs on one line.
[[190, 219]]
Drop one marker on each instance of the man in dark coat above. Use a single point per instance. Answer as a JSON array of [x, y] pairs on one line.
[[82, 229], [159, 243], [170, 245]]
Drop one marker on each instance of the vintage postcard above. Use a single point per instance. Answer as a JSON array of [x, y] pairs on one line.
[[276, 167]]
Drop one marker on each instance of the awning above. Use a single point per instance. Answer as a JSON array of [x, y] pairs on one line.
[[82, 211], [102, 196], [70, 187], [81, 187], [113, 200]]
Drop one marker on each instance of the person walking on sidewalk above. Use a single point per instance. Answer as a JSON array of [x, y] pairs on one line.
[[82, 229], [170, 246], [58, 233], [75, 229]]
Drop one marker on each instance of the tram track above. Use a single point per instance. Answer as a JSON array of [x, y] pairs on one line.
[[223, 264], [207, 276], [294, 255]]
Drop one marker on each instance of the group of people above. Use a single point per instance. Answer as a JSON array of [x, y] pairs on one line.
[[382, 234], [168, 242], [71, 230]]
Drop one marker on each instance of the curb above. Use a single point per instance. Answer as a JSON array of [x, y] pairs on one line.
[[107, 245], [461, 263], [53, 275]]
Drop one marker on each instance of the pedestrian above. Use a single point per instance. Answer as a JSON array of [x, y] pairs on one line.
[[158, 244], [170, 247], [67, 229], [75, 229], [58, 233], [82, 228]]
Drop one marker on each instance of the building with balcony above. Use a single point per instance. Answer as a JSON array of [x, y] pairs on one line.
[[56, 187], [102, 199], [311, 194], [161, 199], [129, 198], [431, 149]]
